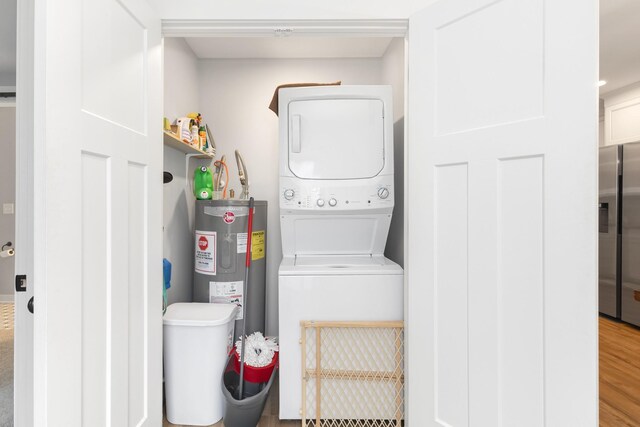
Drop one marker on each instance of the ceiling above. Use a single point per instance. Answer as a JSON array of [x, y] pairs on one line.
[[619, 43], [288, 47]]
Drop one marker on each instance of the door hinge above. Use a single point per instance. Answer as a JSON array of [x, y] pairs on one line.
[[21, 283]]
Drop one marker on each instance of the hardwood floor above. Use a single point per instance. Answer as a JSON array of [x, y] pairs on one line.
[[269, 415], [619, 374]]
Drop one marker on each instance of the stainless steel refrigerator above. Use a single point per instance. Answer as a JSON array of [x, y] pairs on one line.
[[609, 227], [619, 232], [630, 286]]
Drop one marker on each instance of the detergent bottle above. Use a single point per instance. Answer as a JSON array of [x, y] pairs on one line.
[[202, 183], [203, 138]]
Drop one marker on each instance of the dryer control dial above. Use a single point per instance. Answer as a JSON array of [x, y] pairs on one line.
[[383, 193], [332, 202], [289, 193], [320, 202]]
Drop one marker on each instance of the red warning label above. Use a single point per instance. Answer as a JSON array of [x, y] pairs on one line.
[[205, 256], [203, 243]]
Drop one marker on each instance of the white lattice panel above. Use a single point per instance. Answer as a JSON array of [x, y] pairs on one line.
[[352, 374]]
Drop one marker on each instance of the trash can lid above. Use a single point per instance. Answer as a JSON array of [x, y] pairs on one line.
[[199, 314]]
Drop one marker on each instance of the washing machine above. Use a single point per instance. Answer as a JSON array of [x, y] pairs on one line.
[[336, 203]]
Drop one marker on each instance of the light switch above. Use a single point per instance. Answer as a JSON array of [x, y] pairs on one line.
[[7, 208]]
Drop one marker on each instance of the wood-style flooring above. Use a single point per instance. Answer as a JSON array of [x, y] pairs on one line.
[[269, 415], [619, 374], [619, 380]]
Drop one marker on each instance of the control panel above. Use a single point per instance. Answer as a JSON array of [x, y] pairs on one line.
[[320, 196]]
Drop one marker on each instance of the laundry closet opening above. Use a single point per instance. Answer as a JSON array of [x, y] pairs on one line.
[[230, 81]]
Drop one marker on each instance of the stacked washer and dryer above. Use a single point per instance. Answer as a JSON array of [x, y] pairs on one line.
[[336, 202]]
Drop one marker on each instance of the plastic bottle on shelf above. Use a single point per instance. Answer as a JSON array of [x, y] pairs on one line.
[[202, 183], [202, 133], [194, 135]]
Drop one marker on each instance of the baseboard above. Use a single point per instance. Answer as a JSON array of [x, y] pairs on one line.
[[7, 298]]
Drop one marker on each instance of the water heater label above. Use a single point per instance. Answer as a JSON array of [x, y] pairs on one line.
[[206, 252], [257, 245], [242, 243], [227, 293]]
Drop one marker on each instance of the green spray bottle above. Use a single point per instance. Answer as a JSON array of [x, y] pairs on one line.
[[202, 183]]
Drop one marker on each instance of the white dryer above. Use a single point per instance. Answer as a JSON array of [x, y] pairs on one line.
[[336, 202]]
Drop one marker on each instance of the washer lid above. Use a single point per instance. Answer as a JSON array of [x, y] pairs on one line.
[[338, 265], [342, 261], [199, 314]]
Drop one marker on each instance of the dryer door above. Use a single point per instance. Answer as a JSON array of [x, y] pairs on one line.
[[336, 138]]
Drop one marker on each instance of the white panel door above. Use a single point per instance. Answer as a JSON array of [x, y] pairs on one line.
[[98, 248], [502, 228]]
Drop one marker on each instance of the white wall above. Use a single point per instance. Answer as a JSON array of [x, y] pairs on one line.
[[180, 98], [622, 115], [234, 99], [393, 73], [7, 195], [180, 79]]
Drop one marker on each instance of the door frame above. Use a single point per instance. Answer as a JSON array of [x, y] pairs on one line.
[[285, 28]]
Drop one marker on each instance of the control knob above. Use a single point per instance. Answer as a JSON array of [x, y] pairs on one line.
[[332, 202], [289, 193], [320, 202], [383, 193]]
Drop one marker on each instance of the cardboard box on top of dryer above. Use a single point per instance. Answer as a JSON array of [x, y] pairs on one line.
[[273, 106]]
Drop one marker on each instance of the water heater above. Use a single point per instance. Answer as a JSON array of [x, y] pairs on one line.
[[220, 251]]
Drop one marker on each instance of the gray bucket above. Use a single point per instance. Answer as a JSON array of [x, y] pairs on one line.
[[245, 412]]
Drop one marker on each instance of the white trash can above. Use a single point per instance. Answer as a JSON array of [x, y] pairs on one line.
[[197, 341]]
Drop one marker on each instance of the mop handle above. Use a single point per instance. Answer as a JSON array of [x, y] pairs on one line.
[[249, 233], [246, 300]]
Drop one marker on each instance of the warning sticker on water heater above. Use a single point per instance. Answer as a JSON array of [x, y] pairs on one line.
[[227, 293], [206, 252], [242, 243], [257, 245]]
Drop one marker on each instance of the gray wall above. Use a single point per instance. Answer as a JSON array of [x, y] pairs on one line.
[[8, 21], [180, 98], [393, 74], [7, 195]]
